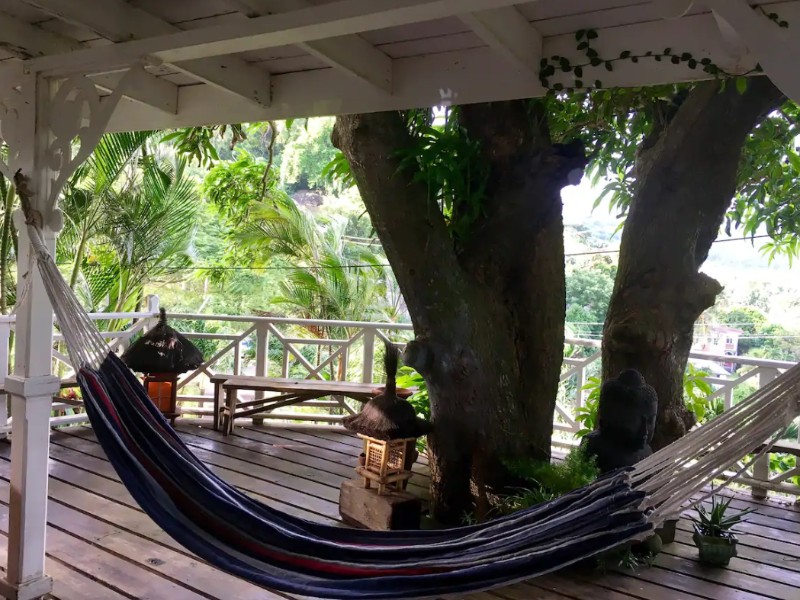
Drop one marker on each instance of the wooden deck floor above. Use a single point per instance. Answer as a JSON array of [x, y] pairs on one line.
[[101, 546]]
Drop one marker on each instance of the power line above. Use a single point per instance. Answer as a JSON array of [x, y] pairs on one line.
[[372, 266]]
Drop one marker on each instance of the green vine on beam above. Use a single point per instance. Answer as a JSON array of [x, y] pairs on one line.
[[549, 67], [775, 18]]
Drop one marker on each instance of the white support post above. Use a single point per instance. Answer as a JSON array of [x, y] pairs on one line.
[[31, 386], [761, 466], [41, 122]]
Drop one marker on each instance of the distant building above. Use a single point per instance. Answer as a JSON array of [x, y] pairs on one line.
[[718, 339]]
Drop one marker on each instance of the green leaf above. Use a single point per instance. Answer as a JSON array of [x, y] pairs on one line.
[[741, 84], [794, 159]]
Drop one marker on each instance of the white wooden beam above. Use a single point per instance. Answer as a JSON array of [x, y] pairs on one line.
[[145, 88], [509, 34], [352, 54], [463, 77], [318, 22], [25, 40], [119, 21]]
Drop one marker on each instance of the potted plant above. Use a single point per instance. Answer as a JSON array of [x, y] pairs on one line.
[[667, 530], [713, 532]]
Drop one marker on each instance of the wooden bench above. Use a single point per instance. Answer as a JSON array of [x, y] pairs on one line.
[[288, 392]]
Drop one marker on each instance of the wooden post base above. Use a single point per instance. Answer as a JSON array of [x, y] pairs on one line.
[[364, 507]]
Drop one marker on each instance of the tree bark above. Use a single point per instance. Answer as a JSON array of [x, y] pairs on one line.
[[488, 313], [686, 174]]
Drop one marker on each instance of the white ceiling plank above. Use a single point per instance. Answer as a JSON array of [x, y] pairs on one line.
[[145, 88], [25, 40], [509, 34], [356, 57], [351, 54], [461, 76], [120, 22], [316, 23]]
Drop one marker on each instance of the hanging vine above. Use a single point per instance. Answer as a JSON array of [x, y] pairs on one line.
[[585, 40]]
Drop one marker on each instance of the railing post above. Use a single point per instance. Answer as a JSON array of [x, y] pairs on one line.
[[262, 351], [580, 381], [761, 466], [153, 304], [5, 342], [369, 355]]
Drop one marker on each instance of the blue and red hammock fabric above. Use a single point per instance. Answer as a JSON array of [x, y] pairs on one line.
[[268, 547]]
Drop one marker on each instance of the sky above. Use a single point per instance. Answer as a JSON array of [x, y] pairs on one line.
[[578, 201]]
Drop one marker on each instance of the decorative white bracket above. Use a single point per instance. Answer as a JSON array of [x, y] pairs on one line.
[[69, 117]]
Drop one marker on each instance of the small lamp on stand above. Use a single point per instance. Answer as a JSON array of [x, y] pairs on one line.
[[389, 426], [161, 355]]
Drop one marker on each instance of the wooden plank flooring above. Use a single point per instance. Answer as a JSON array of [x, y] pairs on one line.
[[101, 546]]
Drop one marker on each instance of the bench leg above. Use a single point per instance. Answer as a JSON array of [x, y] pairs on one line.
[[230, 412], [217, 402]]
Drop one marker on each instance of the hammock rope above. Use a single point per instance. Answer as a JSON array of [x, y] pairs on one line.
[[256, 542]]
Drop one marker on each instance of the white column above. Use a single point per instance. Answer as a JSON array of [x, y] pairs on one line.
[[50, 128], [31, 386]]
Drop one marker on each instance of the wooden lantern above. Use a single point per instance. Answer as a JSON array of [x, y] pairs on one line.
[[384, 462], [163, 391]]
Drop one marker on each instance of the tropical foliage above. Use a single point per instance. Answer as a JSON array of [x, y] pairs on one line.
[[130, 219], [547, 480], [323, 276]]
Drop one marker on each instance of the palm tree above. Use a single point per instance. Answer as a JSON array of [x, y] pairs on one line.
[[129, 220], [85, 192], [144, 235], [330, 279]]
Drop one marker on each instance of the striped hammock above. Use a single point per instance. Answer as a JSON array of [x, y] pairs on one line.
[[249, 539]]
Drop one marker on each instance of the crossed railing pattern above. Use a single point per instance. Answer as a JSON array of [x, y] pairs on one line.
[[302, 348]]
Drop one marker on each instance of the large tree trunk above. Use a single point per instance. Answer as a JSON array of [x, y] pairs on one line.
[[488, 313], [686, 174]]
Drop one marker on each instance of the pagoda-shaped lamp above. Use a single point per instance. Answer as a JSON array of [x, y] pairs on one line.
[[389, 427], [161, 355]]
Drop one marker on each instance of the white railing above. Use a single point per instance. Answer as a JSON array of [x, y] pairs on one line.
[[352, 351]]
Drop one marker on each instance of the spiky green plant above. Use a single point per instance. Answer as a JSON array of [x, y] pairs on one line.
[[717, 521]]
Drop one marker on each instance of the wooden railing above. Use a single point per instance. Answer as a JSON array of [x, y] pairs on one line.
[[352, 351]]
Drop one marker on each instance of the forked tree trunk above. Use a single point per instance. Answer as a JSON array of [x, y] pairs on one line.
[[686, 175], [488, 314]]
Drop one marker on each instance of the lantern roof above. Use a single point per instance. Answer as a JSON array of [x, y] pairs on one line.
[[162, 350]]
